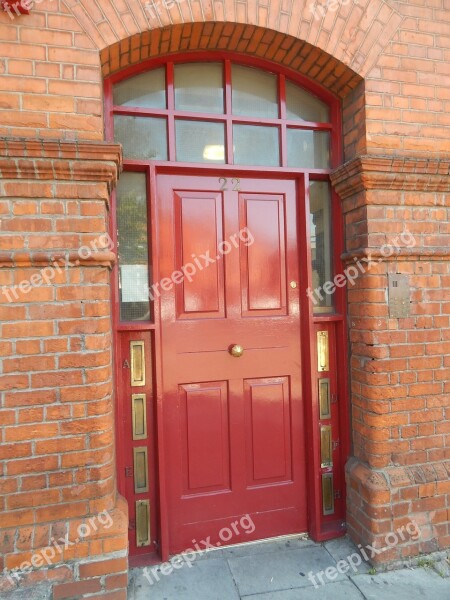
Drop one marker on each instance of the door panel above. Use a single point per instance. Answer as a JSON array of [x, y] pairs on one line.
[[202, 403], [198, 220], [267, 403], [264, 262], [233, 427]]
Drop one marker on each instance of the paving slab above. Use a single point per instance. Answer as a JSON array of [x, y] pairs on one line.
[[442, 567], [342, 590], [280, 570], [204, 580], [342, 548], [37, 592], [405, 584]]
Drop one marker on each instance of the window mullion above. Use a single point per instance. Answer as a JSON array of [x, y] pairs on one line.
[[282, 114], [171, 110], [228, 113]]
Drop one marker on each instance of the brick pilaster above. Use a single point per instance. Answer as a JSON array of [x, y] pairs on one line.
[[59, 503], [397, 222]]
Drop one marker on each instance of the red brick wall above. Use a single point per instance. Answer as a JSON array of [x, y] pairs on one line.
[[48, 66], [388, 63]]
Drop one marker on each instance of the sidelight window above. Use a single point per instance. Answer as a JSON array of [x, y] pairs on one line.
[[321, 246], [133, 247]]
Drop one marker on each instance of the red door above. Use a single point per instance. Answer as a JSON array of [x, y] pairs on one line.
[[233, 425]]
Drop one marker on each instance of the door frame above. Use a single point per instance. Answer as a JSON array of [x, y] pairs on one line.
[[320, 527]]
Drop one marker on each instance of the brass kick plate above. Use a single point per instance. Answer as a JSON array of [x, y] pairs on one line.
[[140, 455], [323, 351], [326, 446], [327, 494], [324, 398], [139, 415], [143, 523], [137, 353]]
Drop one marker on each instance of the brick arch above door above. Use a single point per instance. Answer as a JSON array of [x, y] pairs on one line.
[[354, 34], [279, 48]]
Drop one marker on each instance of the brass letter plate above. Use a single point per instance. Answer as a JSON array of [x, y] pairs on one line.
[[323, 351], [137, 354], [327, 494], [324, 399], [326, 447], [143, 523], [139, 415], [140, 469]]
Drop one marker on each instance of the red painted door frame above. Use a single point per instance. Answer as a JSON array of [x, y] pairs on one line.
[[320, 527]]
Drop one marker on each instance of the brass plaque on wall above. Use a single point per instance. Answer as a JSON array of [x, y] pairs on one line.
[[143, 523], [327, 494], [137, 353], [139, 415], [399, 296], [324, 398], [323, 351], [326, 446], [140, 469]]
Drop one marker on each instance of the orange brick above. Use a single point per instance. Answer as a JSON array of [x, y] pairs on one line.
[[104, 567]]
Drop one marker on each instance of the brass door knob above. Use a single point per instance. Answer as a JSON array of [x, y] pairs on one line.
[[236, 351]]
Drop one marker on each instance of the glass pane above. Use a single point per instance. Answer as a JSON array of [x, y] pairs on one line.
[[255, 145], [199, 88], [308, 149], [147, 90], [132, 237], [198, 141], [143, 138], [301, 105], [254, 93], [321, 244]]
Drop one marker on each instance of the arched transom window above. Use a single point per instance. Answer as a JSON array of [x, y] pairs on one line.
[[221, 113]]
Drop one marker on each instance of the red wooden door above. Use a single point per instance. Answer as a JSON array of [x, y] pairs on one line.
[[233, 426]]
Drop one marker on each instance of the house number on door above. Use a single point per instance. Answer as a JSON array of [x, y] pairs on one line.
[[235, 182]]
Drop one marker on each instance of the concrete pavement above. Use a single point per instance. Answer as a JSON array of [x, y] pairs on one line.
[[290, 568]]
